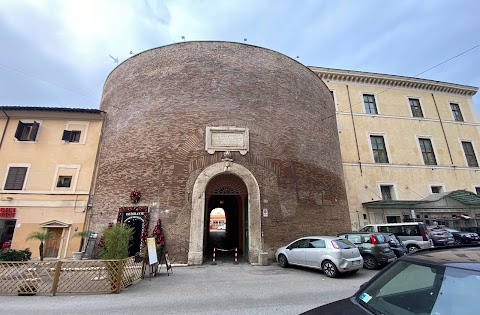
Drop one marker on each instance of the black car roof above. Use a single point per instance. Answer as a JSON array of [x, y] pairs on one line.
[[465, 257]]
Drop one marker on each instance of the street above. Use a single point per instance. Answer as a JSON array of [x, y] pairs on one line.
[[207, 289]]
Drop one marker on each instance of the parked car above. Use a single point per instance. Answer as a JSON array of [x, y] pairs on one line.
[[474, 229], [413, 234], [396, 244], [440, 236], [221, 227], [373, 247], [433, 281], [333, 255], [463, 237]]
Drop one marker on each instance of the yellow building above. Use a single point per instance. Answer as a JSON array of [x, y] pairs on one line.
[[403, 138], [47, 163]]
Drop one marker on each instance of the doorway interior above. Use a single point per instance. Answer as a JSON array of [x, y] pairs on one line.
[[137, 224], [229, 193]]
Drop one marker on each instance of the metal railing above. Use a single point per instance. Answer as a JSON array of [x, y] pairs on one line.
[[72, 276]]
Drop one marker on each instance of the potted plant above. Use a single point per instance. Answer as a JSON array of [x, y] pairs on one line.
[[42, 237], [83, 235]]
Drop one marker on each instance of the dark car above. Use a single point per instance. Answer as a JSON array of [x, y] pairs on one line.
[[463, 237], [396, 244], [373, 247], [474, 229], [431, 281]]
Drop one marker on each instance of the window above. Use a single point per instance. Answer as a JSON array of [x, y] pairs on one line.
[[27, 131], [64, 181], [477, 190], [457, 114], [317, 243], [379, 149], [415, 107], [436, 189], [427, 151], [386, 191], [370, 105], [15, 178], [71, 135], [469, 154]]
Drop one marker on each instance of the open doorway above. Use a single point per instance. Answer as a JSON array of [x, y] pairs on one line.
[[225, 216], [137, 224]]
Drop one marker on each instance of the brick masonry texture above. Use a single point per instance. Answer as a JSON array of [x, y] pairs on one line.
[[158, 104]]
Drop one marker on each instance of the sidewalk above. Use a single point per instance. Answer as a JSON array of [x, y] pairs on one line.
[[224, 288]]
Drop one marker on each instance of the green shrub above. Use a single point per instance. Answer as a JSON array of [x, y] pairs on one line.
[[15, 255], [116, 241]]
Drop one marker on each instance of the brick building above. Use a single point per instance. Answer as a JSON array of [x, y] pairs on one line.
[[197, 124]]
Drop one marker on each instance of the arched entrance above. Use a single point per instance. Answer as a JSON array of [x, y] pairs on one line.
[[228, 192], [213, 183]]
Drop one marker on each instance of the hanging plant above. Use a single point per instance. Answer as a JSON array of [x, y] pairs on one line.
[[135, 196]]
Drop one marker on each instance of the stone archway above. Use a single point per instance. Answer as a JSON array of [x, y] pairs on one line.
[[195, 252]]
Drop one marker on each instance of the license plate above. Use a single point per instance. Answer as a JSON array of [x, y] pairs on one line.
[[392, 259], [356, 262]]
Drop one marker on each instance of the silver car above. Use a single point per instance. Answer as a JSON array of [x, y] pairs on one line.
[[333, 255]]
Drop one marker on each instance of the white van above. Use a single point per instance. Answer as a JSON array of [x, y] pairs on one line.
[[413, 234]]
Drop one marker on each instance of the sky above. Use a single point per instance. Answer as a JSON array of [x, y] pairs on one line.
[[56, 53]]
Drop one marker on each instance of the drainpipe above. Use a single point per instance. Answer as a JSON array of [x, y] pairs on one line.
[[443, 130], [354, 130], [4, 129]]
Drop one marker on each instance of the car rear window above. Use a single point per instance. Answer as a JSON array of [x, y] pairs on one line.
[[380, 238], [344, 244]]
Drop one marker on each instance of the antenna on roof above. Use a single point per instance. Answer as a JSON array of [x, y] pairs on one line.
[[183, 37], [115, 60], [131, 52], [244, 40]]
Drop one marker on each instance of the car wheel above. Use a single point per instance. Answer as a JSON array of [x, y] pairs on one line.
[[412, 248], [329, 269], [283, 261], [457, 242], [369, 262]]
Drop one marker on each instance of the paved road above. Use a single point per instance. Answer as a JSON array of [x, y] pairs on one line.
[[207, 289]]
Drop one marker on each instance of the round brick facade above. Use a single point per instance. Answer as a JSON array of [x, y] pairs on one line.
[[159, 104]]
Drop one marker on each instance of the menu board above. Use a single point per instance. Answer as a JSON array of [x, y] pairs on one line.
[[152, 251]]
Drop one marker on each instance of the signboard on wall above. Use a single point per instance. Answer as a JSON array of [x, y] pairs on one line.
[[7, 212]]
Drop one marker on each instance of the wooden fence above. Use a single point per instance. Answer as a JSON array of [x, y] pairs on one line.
[[72, 276]]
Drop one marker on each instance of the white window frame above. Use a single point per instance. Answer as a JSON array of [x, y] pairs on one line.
[[394, 189], [29, 121], [384, 135], [334, 92], [27, 165], [430, 185], [460, 140], [83, 135], [451, 111], [475, 188], [376, 103], [422, 162], [73, 186], [419, 103]]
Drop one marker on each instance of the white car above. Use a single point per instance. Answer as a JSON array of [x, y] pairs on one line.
[[333, 255], [221, 227]]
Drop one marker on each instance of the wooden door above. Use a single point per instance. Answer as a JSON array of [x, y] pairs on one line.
[[52, 245]]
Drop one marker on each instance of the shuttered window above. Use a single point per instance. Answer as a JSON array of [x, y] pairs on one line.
[[27, 131], [15, 178]]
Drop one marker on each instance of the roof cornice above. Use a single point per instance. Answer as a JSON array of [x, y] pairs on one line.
[[328, 74]]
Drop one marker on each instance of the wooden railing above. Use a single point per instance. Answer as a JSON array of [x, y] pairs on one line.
[[69, 276]]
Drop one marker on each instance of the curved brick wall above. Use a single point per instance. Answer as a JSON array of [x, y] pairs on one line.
[[158, 104]]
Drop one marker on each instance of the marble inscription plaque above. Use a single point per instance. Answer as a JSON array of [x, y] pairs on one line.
[[227, 139]]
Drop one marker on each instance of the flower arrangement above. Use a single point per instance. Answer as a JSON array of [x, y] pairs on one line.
[[135, 196], [158, 233]]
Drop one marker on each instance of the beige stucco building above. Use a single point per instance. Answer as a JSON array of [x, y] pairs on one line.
[[47, 162], [403, 138]]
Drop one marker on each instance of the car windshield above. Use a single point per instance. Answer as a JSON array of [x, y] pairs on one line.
[[451, 230], [409, 288]]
